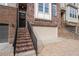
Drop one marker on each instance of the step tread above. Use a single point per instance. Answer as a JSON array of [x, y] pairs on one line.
[[24, 38], [24, 48], [23, 45], [18, 50], [20, 42], [23, 35], [19, 38], [24, 42]]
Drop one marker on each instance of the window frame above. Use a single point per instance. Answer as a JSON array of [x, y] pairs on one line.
[[44, 8], [54, 9], [42, 15], [73, 12]]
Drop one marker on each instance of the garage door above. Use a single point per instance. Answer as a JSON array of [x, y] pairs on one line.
[[3, 33]]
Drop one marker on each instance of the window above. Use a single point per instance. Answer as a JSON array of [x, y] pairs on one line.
[[70, 12], [54, 9], [40, 7], [46, 7], [43, 7], [73, 12], [43, 11]]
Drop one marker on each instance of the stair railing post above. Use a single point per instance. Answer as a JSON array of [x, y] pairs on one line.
[[34, 39]]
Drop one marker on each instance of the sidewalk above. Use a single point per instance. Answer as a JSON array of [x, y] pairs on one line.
[[65, 47], [6, 49]]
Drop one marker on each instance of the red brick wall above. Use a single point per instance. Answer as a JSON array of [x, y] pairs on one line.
[[39, 22], [30, 12], [56, 19], [8, 16]]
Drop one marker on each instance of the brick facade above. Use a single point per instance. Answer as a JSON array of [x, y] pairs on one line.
[[8, 15], [39, 22]]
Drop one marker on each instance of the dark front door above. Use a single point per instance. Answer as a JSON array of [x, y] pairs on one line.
[[22, 23], [22, 14], [22, 19]]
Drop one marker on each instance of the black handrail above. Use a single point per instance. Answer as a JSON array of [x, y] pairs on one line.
[[14, 44], [15, 38], [34, 39]]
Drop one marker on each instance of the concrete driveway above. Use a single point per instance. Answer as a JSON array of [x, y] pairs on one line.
[[65, 47]]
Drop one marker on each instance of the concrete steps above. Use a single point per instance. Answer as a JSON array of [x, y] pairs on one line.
[[24, 42]]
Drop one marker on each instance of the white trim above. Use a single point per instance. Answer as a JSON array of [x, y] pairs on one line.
[[40, 15], [8, 4], [4, 4], [70, 19]]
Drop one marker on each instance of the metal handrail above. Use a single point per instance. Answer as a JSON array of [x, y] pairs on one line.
[[14, 44], [34, 39], [15, 38]]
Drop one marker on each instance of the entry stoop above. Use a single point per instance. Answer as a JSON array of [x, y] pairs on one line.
[[28, 53], [24, 44]]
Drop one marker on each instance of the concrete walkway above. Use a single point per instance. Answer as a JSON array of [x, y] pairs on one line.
[[65, 47], [6, 49]]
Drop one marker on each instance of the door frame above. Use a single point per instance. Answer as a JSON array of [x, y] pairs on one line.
[[22, 12]]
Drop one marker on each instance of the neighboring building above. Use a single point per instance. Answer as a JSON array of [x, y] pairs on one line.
[[69, 11], [42, 17], [69, 17]]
